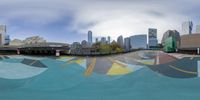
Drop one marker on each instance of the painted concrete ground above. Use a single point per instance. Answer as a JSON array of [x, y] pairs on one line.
[[142, 75]]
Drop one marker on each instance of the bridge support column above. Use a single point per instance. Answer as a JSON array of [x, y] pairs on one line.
[[57, 53], [198, 68], [18, 51]]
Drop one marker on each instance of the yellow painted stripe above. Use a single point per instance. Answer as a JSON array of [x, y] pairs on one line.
[[181, 70], [90, 67], [70, 61], [114, 61], [32, 62]]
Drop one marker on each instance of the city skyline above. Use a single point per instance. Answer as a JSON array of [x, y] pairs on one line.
[[72, 19]]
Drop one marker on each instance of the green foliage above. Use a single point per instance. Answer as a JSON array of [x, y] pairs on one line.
[[107, 48]]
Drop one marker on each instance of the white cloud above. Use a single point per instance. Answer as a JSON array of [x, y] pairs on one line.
[[103, 17]]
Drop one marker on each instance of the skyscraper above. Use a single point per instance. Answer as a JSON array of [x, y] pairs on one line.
[[187, 27], [3, 34], [108, 41], [103, 39], [120, 41], [198, 28], [97, 40], [90, 37], [127, 44], [152, 36]]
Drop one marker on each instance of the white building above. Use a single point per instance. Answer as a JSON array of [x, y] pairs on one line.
[[152, 37], [187, 27], [138, 42], [120, 41], [16, 42], [34, 40]]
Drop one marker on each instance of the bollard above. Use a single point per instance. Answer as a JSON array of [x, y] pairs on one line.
[[57, 53]]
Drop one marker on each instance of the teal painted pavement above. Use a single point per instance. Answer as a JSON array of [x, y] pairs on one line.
[[66, 81]]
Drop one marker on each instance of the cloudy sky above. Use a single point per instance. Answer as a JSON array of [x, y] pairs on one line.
[[69, 20]]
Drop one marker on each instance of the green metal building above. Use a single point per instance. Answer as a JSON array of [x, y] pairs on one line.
[[170, 44]]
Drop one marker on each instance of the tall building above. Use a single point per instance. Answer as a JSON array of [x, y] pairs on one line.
[[3, 34], [138, 42], [103, 39], [187, 27], [90, 37], [108, 40], [127, 44], [97, 40], [152, 37], [120, 41], [198, 29]]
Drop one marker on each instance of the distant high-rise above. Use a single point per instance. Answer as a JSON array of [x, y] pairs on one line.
[[120, 41], [90, 37], [198, 28], [97, 40], [103, 39], [152, 36], [108, 41], [187, 27], [127, 44], [3, 34]]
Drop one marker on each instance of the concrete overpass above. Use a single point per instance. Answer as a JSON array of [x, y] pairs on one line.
[[49, 48]]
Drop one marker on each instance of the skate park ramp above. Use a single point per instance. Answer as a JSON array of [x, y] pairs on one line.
[[61, 80]]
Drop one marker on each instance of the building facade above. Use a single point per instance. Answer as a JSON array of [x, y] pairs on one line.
[[103, 40], [90, 37], [34, 40], [85, 44], [190, 43], [187, 27], [127, 44], [120, 41], [1, 37], [96, 40], [108, 40], [171, 33], [3, 34], [152, 37], [198, 29], [16, 42], [7, 40], [138, 42]]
